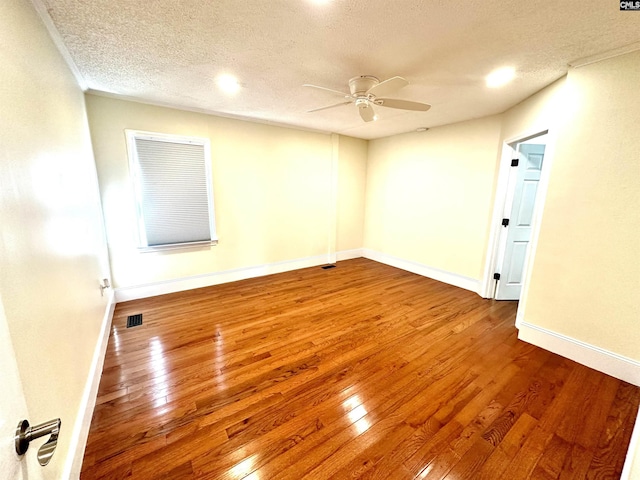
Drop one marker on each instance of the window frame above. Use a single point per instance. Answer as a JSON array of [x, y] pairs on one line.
[[136, 185]]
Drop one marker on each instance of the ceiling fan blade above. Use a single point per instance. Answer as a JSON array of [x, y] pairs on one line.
[[329, 106], [336, 92], [367, 113], [388, 86], [403, 104]]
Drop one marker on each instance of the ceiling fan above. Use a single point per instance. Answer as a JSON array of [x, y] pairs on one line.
[[367, 91]]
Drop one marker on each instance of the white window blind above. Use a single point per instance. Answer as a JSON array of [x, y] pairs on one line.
[[172, 180]]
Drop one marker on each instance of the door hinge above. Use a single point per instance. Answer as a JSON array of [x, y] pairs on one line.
[[505, 222], [496, 276], [514, 162]]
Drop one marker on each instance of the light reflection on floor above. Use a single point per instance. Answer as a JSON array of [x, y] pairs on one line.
[[425, 471], [160, 374], [356, 413], [220, 360], [243, 469]]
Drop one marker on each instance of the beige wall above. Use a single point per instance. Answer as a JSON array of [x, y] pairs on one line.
[[274, 192], [352, 177], [542, 111], [585, 280], [429, 195], [51, 243]]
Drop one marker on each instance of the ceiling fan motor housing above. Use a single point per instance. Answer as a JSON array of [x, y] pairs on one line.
[[360, 85]]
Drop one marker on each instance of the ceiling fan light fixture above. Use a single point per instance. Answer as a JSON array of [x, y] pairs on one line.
[[500, 77], [366, 112]]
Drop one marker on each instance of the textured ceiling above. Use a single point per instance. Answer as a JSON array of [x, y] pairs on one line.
[[171, 51]]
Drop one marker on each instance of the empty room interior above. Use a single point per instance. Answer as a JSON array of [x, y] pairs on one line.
[[319, 239]]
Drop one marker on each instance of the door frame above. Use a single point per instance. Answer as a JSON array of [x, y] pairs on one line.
[[503, 194]]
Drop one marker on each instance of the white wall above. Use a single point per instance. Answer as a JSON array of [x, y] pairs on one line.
[[429, 195], [52, 252]]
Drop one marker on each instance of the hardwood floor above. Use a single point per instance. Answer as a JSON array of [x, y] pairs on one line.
[[360, 371]]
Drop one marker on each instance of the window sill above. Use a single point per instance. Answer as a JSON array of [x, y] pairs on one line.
[[178, 246]]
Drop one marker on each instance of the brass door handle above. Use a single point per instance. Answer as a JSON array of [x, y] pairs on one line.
[[25, 434]]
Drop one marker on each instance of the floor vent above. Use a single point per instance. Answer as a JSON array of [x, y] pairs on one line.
[[327, 267], [134, 320]]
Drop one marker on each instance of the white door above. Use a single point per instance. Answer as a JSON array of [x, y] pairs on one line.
[[13, 408], [530, 156]]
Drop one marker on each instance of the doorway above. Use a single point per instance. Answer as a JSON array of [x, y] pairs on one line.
[[517, 199]]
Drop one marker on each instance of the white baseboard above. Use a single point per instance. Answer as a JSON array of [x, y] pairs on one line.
[[631, 468], [349, 254], [594, 357], [124, 294], [454, 279], [81, 427], [599, 359]]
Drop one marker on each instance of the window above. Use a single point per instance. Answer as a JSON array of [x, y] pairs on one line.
[[174, 195]]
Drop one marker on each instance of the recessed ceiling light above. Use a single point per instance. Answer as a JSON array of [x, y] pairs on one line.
[[421, 129], [228, 83], [500, 77]]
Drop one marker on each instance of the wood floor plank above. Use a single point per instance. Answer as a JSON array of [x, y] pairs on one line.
[[499, 460], [361, 371], [553, 458], [606, 463]]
